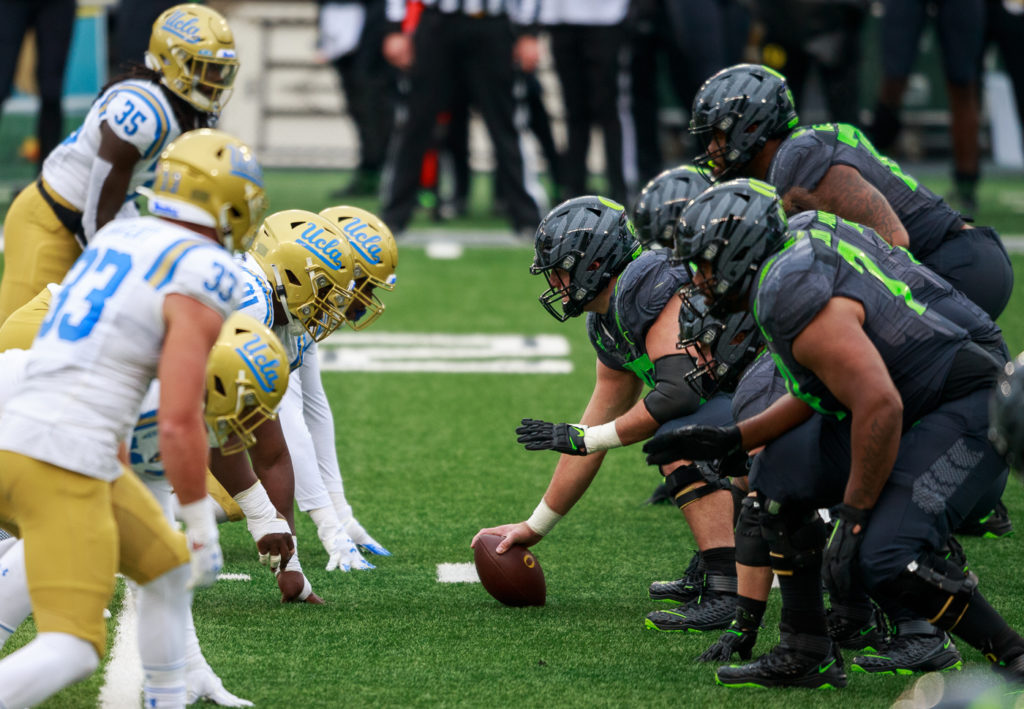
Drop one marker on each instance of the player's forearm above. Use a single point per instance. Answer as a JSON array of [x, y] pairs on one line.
[[874, 440], [785, 413], [183, 445], [573, 475]]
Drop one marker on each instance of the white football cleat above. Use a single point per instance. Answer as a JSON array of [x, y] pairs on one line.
[[203, 683], [362, 539]]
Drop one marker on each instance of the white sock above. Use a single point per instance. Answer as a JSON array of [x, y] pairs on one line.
[[341, 505], [164, 611], [45, 666], [15, 604]]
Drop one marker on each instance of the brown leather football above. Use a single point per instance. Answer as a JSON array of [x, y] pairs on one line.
[[514, 578]]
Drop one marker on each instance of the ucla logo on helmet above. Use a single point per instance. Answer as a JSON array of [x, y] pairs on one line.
[[245, 166], [366, 242], [255, 353], [327, 249], [183, 25]]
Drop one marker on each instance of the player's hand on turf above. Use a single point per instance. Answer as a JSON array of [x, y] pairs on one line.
[[203, 683], [276, 548], [344, 556], [694, 442], [201, 534], [839, 563], [734, 640], [539, 435], [519, 533]]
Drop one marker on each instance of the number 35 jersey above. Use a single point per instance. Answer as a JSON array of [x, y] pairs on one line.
[[99, 346], [138, 113]]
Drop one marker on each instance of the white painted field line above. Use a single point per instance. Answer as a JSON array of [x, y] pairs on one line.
[[457, 573], [122, 678], [234, 577], [493, 366]]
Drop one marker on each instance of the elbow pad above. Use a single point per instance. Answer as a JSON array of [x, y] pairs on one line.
[[671, 396]]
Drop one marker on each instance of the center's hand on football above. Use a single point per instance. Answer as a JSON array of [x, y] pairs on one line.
[[694, 442], [519, 533], [539, 435]]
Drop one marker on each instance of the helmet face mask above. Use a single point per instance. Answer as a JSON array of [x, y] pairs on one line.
[[734, 115], [246, 377], [310, 266], [580, 246], [720, 349], [375, 255], [210, 178]]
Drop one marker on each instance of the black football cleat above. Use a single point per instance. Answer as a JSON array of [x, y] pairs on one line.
[[916, 646], [809, 661], [681, 590], [995, 525], [713, 609], [852, 634]]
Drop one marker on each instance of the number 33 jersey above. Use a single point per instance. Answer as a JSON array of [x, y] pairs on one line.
[[99, 346]]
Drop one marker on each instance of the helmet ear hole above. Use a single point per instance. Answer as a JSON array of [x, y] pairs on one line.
[[218, 385], [292, 278]]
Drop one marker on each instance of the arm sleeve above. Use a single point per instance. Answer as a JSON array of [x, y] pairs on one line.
[[671, 396]]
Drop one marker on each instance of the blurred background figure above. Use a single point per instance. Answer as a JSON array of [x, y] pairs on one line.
[[351, 33], [823, 36], [133, 21], [684, 41], [475, 45], [960, 27], [45, 27], [591, 56]]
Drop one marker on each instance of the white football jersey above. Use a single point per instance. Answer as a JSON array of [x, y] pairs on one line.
[[99, 346], [138, 112], [257, 302]]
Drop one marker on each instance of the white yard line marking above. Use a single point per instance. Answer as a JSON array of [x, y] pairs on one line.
[[122, 678], [234, 577], [445, 353], [457, 573]]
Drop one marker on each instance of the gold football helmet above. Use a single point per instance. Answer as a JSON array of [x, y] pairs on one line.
[[376, 258], [194, 50], [210, 178], [310, 266], [246, 377]]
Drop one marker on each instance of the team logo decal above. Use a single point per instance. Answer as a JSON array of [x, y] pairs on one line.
[[362, 239], [255, 354], [327, 249], [184, 25]]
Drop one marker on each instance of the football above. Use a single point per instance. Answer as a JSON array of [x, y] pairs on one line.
[[514, 578]]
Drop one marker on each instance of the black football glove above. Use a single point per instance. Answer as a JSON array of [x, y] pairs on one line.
[[694, 442], [739, 637], [539, 435], [839, 562]]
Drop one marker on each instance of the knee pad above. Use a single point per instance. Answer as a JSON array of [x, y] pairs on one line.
[[751, 547], [934, 587], [794, 542], [688, 483]]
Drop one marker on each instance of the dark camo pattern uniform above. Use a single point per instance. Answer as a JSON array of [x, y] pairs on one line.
[[972, 260], [945, 464]]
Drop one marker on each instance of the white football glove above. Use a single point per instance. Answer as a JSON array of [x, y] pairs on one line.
[[362, 539], [203, 543], [203, 683], [344, 555]]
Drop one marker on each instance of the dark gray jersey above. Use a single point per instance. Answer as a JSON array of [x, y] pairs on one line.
[[641, 293], [917, 342], [806, 155], [760, 385]]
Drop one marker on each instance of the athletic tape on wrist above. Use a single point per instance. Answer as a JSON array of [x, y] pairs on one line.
[[543, 519], [601, 438]]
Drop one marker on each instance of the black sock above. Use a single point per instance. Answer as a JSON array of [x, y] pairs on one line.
[[802, 605], [982, 627], [720, 560]]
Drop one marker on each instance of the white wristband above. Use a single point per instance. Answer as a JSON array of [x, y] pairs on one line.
[[543, 519], [601, 438]]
